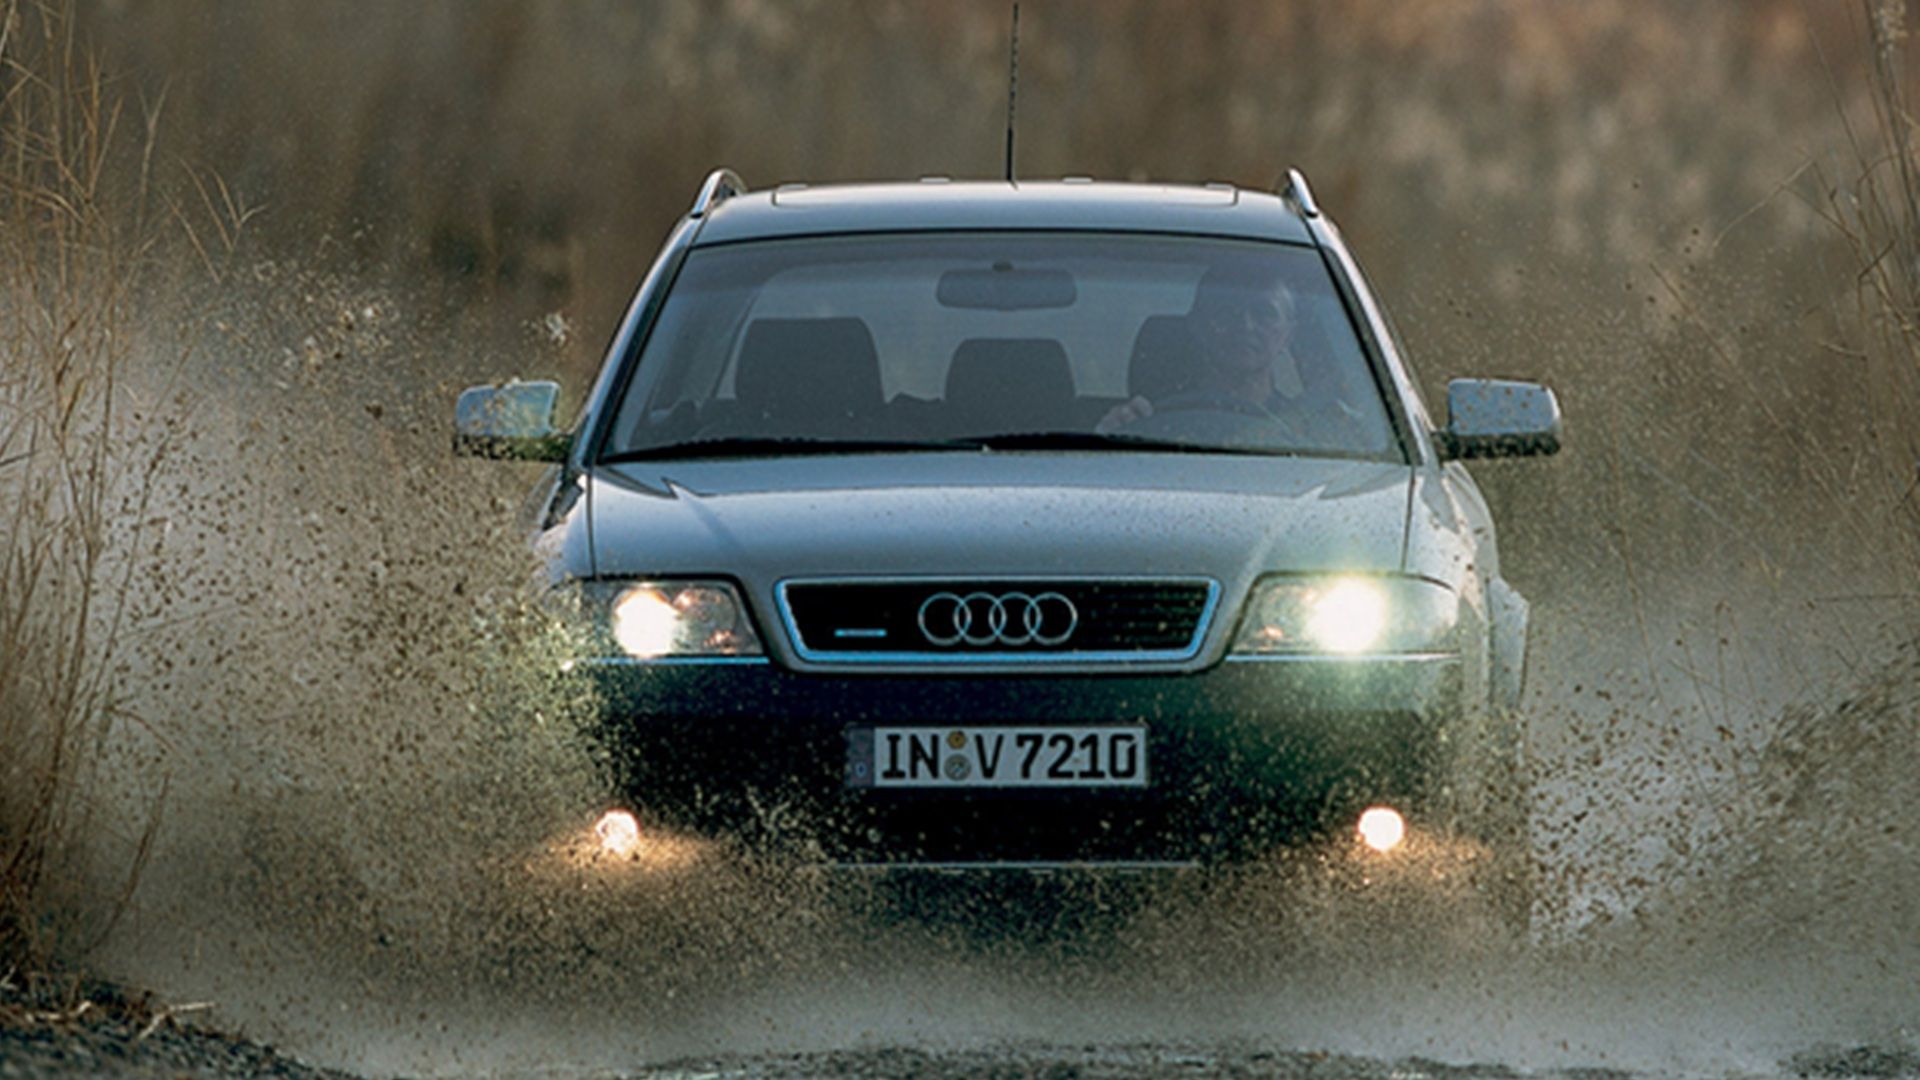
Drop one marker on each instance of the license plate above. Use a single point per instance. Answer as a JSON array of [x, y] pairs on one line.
[[1004, 757]]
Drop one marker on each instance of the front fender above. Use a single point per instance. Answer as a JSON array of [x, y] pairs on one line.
[[1508, 612]]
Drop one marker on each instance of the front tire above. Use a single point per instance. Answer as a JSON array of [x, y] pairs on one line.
[[1492, 797]]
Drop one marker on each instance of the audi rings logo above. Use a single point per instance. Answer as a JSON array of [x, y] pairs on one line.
[[1012, 618]]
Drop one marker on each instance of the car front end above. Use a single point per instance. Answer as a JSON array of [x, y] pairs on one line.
[[1018, 658]]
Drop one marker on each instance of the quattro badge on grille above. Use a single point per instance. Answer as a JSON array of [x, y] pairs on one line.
[[1011, 618]]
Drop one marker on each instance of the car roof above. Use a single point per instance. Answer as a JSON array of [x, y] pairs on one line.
[[797, 210]]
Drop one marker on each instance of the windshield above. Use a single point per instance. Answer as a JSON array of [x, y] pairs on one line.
[[947, 340]]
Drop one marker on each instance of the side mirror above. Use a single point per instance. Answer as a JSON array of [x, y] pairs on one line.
[[1489, 418], [512, 421]]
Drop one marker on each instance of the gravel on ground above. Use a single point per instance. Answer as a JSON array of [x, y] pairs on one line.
[[68, 1027]]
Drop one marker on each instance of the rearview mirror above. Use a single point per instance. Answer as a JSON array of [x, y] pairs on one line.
[[512, 421], [1489, 418], [1004, 288]]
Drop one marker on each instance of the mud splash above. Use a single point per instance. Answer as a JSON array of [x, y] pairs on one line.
[[374, 848]]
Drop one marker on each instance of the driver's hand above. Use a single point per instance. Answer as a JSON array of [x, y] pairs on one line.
[[1125, 413]]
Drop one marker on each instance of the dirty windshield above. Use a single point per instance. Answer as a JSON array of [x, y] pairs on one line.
[[952, 340]]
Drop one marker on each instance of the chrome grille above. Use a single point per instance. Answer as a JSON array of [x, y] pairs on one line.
[[1001, 620]]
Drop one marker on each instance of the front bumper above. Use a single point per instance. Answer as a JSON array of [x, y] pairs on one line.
[[1244, 756]]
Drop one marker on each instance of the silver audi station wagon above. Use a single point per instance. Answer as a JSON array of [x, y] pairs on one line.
[[1029, 525]]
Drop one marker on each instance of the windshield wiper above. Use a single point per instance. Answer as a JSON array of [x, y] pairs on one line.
[[737, 446], [1094, 440], [733, 446]]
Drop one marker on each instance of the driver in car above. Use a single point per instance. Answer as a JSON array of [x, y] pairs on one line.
[[1240, 328]]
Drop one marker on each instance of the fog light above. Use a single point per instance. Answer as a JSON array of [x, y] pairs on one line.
[[619, 833], [1382, 828]]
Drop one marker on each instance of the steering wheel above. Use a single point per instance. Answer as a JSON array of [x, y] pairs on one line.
[[1204, 401], [1192, 401]]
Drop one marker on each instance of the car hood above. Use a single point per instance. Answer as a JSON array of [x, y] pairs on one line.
[[763, 520]]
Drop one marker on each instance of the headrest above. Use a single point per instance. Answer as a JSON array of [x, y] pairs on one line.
[[1011, 385], [1165, 358], [809, 372]]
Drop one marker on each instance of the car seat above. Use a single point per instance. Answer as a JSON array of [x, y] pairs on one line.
[[1010, 386], [1163, 363], [817, 377]]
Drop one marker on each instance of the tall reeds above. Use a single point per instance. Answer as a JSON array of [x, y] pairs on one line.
[[74, 465], [1873, 206]]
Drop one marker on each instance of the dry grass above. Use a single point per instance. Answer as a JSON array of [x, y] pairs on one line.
[[539, 153], [77, 458], [1874, 209]]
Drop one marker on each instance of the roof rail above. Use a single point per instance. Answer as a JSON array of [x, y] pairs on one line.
[[721, 185], [1300, 195]]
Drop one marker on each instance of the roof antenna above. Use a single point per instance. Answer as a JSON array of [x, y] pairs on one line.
[[1013, 84]]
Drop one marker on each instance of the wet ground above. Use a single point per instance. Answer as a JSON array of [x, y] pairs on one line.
[[100, 1031], [1162, 1060]]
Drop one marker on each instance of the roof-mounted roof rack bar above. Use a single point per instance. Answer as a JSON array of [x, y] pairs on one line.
[[1300, 195], [721, 185]]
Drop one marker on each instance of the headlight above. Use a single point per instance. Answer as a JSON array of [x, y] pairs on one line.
[[1348, 615], [652, 619]]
